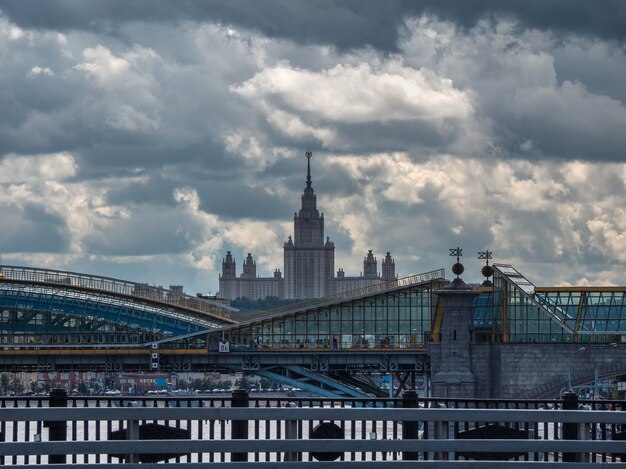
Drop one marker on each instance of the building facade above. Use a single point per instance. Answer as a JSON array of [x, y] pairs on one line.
[[309, 262]]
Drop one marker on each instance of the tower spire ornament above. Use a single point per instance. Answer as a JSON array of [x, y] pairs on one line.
[[308, 155], [457, 268], [487, 270]]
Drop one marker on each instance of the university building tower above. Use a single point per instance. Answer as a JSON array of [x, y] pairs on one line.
[[309, 262], [309, 257]]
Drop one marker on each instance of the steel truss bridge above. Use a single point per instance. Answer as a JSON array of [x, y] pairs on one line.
[[342, 345]]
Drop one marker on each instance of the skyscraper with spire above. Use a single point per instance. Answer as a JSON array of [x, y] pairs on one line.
[[309, 257], [309, 262]]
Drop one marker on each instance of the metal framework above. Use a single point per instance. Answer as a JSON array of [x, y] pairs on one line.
[[74, 280], [523, 312]]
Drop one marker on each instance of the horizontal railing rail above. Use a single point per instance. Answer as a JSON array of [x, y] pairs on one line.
[[301, 413]]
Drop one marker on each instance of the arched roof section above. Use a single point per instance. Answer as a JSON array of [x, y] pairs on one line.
[[110, 291]]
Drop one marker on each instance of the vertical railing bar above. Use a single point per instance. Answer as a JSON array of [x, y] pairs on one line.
[[177, 423], [267, 456], [363, 436], [257, 424], [278, 425], [278, 436], [384, 433], [198, 424], [353, 433], [109, 429], [300, 425], [222, 424], [3, 429], [27, 433], [15, 433], [98, 425], [39, 431], [536, 437], [85, 432], [395, 430], [603, 426], [310, 432], [211, 424], [373, 430]]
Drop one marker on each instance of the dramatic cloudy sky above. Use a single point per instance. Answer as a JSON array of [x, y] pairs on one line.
[[143, 139]]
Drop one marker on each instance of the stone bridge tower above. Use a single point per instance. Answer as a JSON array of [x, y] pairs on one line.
[[451, 360]]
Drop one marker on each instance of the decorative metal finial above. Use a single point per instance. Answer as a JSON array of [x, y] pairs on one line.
[[308, 154], [457, 268], [487, 270], [485, 255], [458, 252]]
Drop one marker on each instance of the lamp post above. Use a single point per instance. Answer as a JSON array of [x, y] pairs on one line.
[[596, 394], [569, 371]]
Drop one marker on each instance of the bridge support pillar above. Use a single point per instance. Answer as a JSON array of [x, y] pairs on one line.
[[291, 433], [240, 427], [57, 430], [570, 430], [410, 428]]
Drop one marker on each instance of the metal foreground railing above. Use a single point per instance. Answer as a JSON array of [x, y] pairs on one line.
[[268, 432]]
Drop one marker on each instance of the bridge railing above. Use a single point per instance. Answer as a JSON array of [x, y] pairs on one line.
[[245, 431], [114, 286]]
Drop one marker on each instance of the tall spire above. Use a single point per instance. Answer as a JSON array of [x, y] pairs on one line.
[[308, 155]]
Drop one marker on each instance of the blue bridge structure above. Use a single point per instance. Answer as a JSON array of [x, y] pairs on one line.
[[507, 338]]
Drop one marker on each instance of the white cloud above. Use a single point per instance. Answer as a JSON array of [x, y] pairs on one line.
[[360, 93], [53, 167], [36, 71], [125, 87], [102, 65]]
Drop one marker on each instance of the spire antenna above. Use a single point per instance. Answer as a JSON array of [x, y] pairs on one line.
[[308, 155], [457, 268]]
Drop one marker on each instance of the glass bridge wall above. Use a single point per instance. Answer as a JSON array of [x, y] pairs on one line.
[[596, 314], [557, 314], [396, 319]]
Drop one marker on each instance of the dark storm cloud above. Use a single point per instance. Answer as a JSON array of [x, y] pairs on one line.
[[345, 24], [232, 199], [330, 179], [149, 231], [32, 229], [155, 190], [375, 137], [335, 181]]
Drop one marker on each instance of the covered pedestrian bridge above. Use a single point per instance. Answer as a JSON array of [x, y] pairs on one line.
[[376, 340]]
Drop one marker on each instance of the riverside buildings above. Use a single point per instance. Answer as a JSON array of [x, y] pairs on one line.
[[309, 262]]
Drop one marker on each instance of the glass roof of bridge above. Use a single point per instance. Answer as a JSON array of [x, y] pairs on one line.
[[523, 312], [132, 313]]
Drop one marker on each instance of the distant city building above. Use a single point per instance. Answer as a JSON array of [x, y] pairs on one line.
[[309, 263], [248, 284], [370, 274]]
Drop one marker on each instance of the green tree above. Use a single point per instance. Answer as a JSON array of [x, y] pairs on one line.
[[225, 384], [82, 388], [4, 383], [17, 387]]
